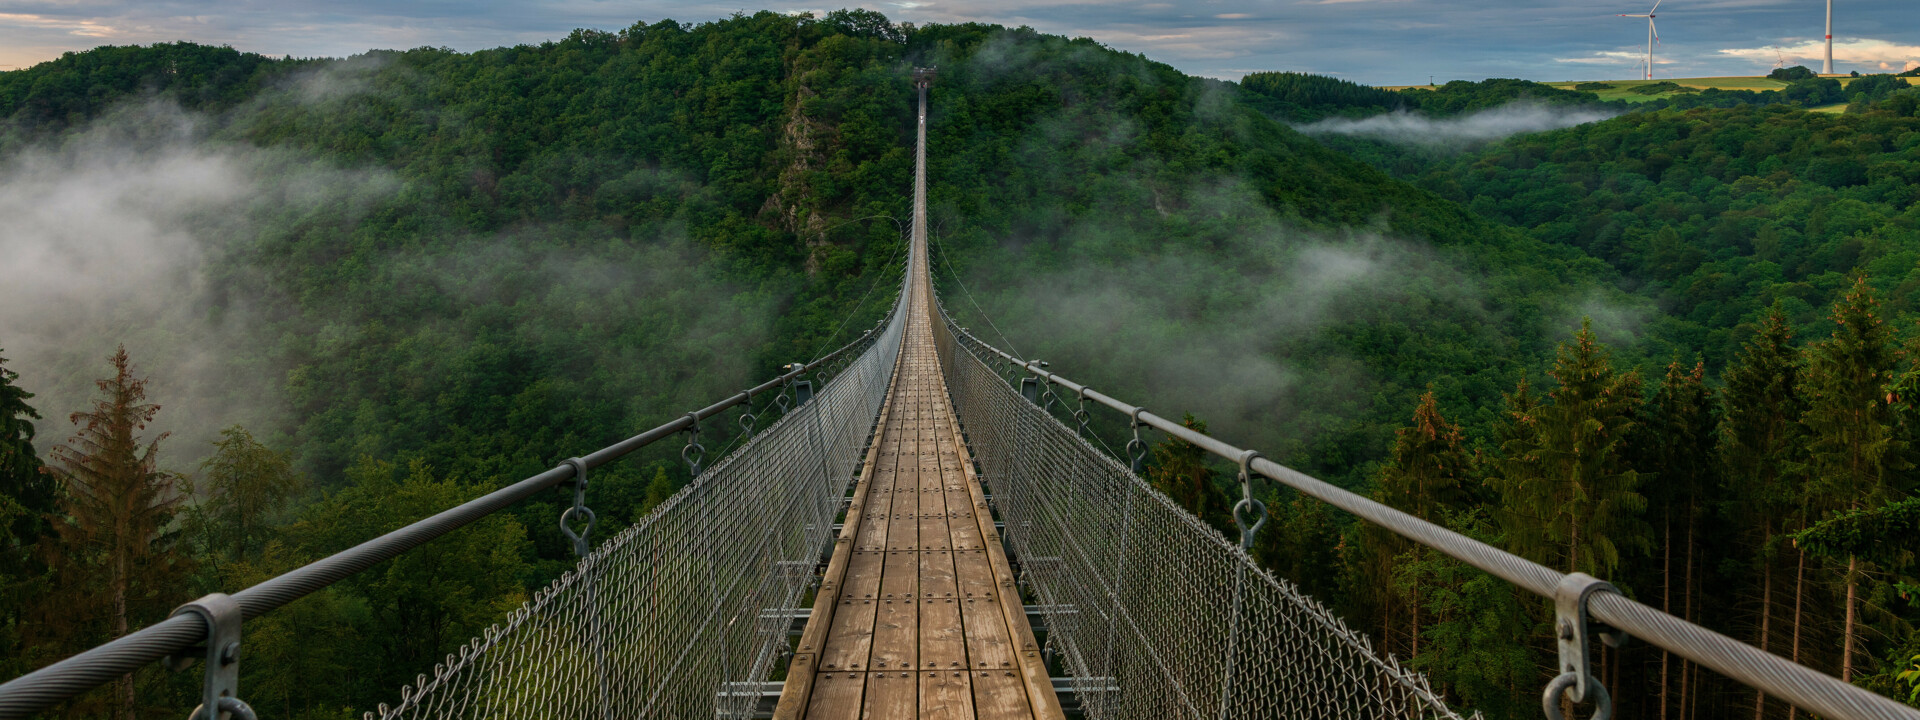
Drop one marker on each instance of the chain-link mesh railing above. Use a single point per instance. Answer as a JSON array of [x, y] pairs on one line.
[[662, 619], [1153, 613]]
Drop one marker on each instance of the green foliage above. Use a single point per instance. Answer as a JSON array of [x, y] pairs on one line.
[[1854, 456], [1301, 97], [245, 486], [1791, 74], [1468, 641], [1875, 534], [1179, 469], [1912, 678], [1660, 88], [382, 626], [1569, 496]]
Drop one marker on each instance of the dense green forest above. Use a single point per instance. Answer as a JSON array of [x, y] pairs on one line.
[[430, 273]]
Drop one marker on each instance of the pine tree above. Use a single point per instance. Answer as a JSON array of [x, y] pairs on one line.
[[1758, 442], [1675, 447], [1853, 455], [115, 554], [26, 499], [1429, 476], [1571, 499]]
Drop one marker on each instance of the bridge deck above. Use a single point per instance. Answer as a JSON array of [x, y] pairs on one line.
[[918, 615]]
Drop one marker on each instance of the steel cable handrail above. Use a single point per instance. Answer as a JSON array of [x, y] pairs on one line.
[[1778, 676], [23, 696]]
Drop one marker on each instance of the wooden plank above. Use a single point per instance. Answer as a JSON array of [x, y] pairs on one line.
[[892, 695], [999, 695], [946, 695], [836, 696], [974, 574], [988, 645], [943, 642], [851, 640], [896, 627]]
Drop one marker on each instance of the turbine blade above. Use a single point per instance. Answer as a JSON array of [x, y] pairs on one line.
[[1656, 6]]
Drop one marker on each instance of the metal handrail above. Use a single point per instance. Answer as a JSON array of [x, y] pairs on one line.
[[35, 691], [1803, 686]]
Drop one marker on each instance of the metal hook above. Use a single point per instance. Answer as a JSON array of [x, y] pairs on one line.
[[1248, 502], [1137, 448], [747, 417], [581, 544], [693, 452], [1081, 415]]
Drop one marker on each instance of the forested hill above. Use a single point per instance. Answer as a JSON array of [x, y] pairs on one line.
[[416, 275]]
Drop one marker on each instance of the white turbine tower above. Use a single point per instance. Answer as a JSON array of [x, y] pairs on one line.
[[1653, 36], [1828, 70]]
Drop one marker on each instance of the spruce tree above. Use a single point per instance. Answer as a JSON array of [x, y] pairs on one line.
[[26, 499], [1853, 455], [1674, 444], [1757, 446], [115, 556], [1571, 498], [1429, 475]]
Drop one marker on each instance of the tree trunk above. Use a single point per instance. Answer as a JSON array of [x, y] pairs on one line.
[[1666, 600], [120, 619], [1766, 616], [1846, 653], [1689, 671], [1799, 595]]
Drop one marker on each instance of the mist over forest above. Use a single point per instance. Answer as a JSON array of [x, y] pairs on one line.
[[362, 290]]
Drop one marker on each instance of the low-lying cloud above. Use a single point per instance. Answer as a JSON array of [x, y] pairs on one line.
[[1407, 128]]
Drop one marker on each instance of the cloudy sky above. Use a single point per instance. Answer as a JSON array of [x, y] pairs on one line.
[[1383, 42]]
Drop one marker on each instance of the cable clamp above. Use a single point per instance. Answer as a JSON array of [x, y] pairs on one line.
[[1571, 628], [222, 615]]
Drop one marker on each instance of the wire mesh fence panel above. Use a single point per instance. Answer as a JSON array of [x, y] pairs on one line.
[[666, 616], [1153, 613]]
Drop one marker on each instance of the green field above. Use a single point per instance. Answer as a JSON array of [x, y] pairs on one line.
[[1623, 89]]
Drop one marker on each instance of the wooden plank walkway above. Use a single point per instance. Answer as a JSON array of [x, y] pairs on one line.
[[918, 616]]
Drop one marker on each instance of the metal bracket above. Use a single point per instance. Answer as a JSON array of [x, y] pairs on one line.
[[802, 391], [1571, 633], [1030, 389], [217, 698]]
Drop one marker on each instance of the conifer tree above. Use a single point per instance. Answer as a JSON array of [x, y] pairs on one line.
[[115, 555], [1758, 441], [1675, 447], [245, 483], [26, 498], [1853, 456], [1571, 498], [1428, 476], [1180, 470]]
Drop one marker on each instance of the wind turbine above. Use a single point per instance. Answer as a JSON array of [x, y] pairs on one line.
[[1828, 70], [1653, 36]]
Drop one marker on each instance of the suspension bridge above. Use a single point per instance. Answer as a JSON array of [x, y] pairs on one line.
[[925, 537]]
